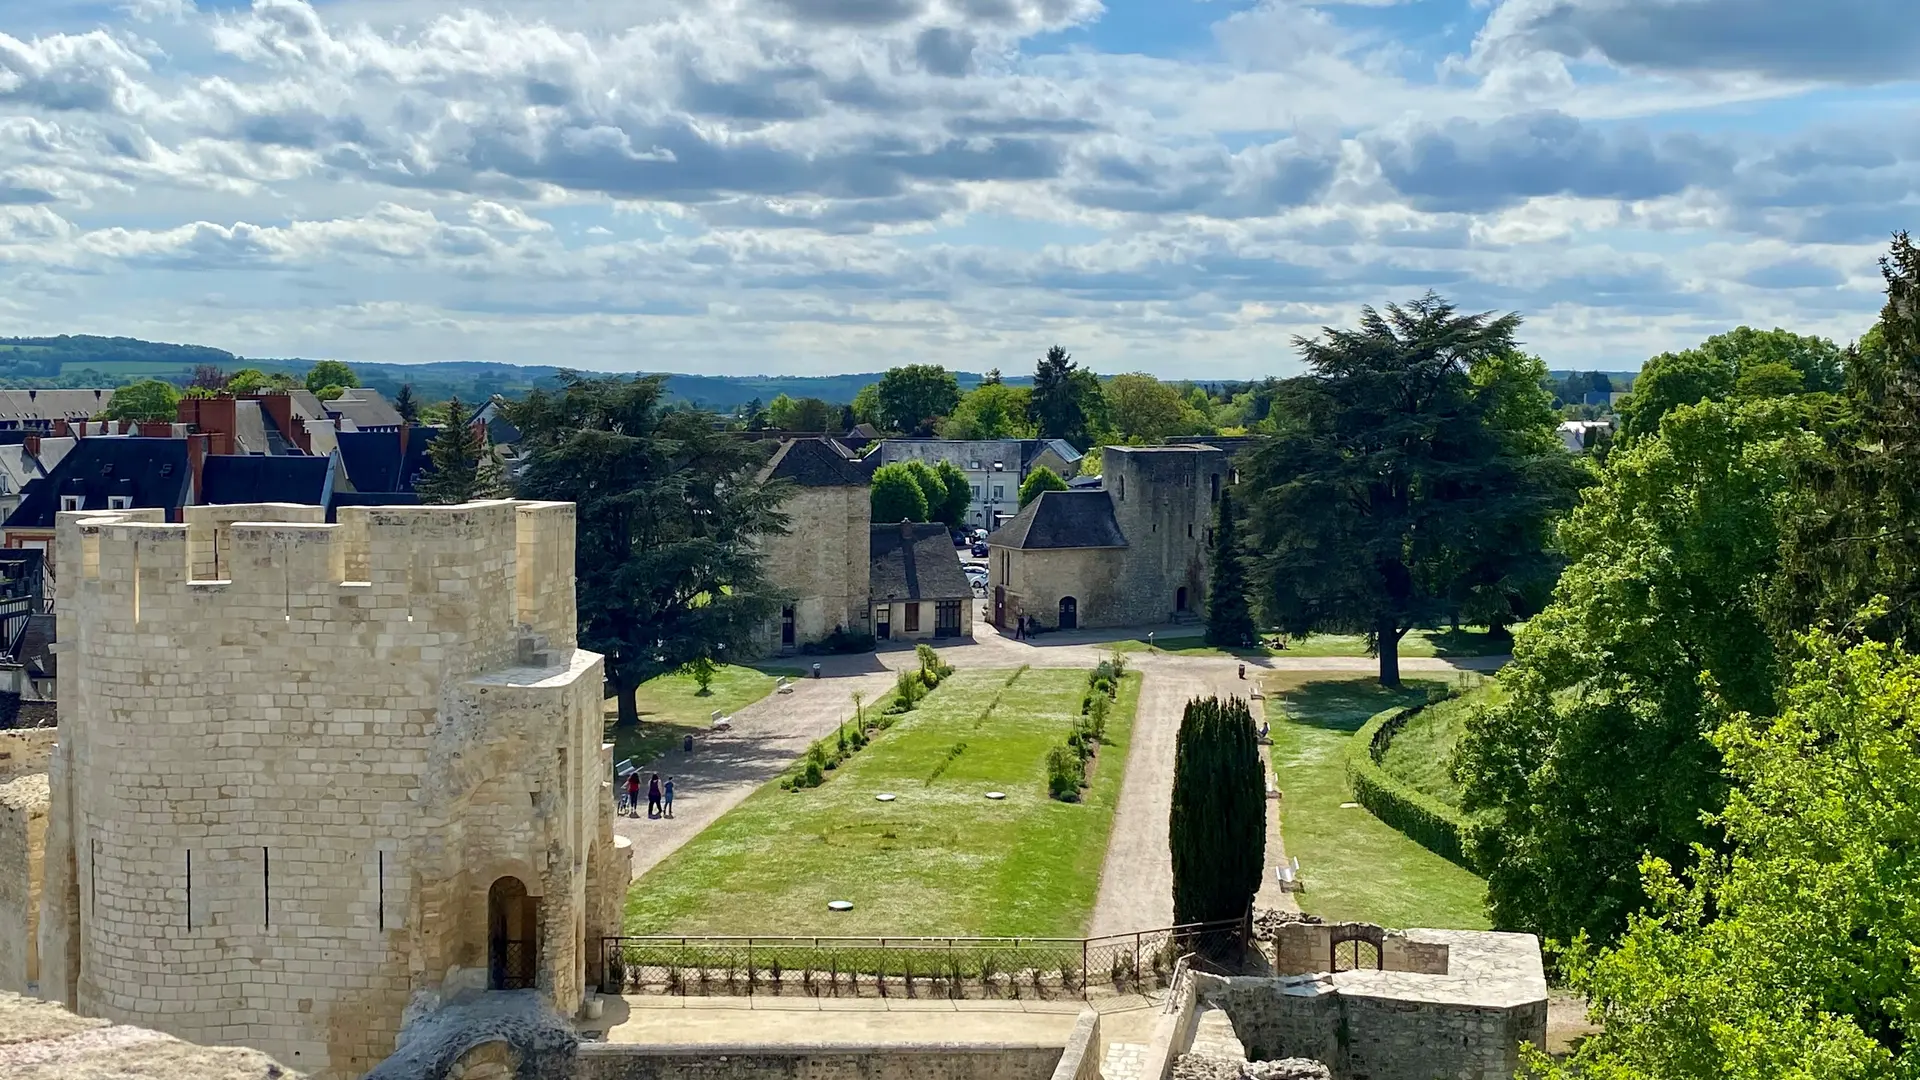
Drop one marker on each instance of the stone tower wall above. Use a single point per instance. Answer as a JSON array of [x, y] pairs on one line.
[[287, 790], [822, 562], [1163, 499]]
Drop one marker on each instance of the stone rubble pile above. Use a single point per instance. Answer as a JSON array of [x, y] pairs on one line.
[[1268, 921], [1211, 1067]]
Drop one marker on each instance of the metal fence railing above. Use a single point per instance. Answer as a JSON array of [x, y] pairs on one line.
[[912, 967]]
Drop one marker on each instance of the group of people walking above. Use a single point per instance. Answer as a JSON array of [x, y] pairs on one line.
[[659, 796]]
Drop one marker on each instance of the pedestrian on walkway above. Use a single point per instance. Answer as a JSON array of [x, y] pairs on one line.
[[633, 794], [653, 796], [1020, 629], [668, 793]]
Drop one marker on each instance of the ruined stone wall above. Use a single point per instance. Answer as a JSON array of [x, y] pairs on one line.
[[1164, 499], [602, 1061], [23, 838], [25, 751], [822, 562], [1393, 1039], [1036, 581], [282, 795]]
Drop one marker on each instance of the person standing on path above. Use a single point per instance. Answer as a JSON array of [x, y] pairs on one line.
[[633, 793], [667, 797], [653, 796]]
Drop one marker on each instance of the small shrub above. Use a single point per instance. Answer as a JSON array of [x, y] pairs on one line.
[[858, 740], [1097, 716], [843, 740], [1065, 772], [1117, 662], [702, 668], [908, 691], [813, 775]]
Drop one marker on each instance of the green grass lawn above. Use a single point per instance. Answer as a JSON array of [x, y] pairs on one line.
[[942, 859], [671, 707], [1422, 750], [1464, 642], [1355, 866]]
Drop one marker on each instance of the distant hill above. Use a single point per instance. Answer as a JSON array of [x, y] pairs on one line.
[[86, 361]]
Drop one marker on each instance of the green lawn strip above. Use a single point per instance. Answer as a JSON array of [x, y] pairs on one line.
[[1421, 751], [941, 860], [1465, 642], [1355, 866], [672, 707]]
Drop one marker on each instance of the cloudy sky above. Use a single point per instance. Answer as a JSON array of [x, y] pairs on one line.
[[807, 186]]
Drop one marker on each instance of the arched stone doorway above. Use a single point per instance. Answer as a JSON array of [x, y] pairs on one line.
[[1180, 599], [1069, 613], [513, 935]]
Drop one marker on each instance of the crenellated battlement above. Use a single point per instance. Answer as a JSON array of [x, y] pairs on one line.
[[400, 557]]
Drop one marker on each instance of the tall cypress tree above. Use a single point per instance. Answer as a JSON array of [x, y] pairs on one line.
[[1229, 618], [1218, 828], [464, 466]]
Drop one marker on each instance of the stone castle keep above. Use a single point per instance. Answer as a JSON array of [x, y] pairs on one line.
[[313, 780]]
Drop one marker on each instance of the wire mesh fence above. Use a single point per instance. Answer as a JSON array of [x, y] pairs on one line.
[[912, 967]]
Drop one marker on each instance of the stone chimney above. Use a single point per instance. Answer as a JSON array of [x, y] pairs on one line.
[[32, 443]]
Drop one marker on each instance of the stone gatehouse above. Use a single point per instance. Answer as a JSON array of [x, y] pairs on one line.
[[1132, 552], [315, 780]]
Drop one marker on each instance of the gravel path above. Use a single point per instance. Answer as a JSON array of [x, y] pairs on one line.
[[1136, 882], [726, 768]]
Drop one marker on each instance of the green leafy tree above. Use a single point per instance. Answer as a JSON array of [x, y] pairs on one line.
[[248, 381], [1037, 481], [1218, 827], [465, 468], [1597, 753], [804, 414], [1229, 617], [1143, 410], [866, 406], [1066, 401], [669, 521], [148, 399], [914, 398], [1395, 477], [1855, 532], [1740, 363], [406, 404], [897, 495], [1792, 957], [933, 488], [994, 410], [330, 373], [956, 497]]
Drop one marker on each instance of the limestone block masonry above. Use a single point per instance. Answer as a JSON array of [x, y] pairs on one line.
[[313, 780]]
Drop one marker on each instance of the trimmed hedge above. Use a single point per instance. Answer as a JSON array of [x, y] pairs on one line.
[[1425, 820]]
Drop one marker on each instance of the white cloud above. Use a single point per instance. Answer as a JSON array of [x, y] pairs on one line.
[[797, 181]]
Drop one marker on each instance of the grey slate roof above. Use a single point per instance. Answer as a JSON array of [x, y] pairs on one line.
[[814, 463], [1063, 519], [30, 405], [1033, 448], [915, 562], [366, 408]]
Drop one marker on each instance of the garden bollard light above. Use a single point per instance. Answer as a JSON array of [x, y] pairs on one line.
[[816, 671]]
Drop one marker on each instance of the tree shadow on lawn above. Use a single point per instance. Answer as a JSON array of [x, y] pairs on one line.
[[1469, 643], [1342, 704]]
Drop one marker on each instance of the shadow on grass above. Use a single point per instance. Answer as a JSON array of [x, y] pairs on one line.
[[1346, 704], [1469, 643]]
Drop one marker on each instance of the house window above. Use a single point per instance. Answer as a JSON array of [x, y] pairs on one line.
[[976, 492], [1189, 530], [119, 502], [999, 492], [70, 502], [1123, 488], [946, 618], [913, 617], [1215, 484]]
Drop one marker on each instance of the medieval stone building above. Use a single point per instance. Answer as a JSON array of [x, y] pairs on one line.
[[820, 563], [312, 779], [1131, 552]]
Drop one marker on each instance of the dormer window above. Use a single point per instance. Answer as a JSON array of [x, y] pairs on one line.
[[70, 502], [119, 502]]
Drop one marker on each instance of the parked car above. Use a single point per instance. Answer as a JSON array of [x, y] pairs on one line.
[[961, 539], [979, 549]]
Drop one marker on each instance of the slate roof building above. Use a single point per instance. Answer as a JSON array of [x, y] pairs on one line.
[[231, 480], [385, 461], [1132, 552], [995, 468], [917, 587], [821, 561]]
